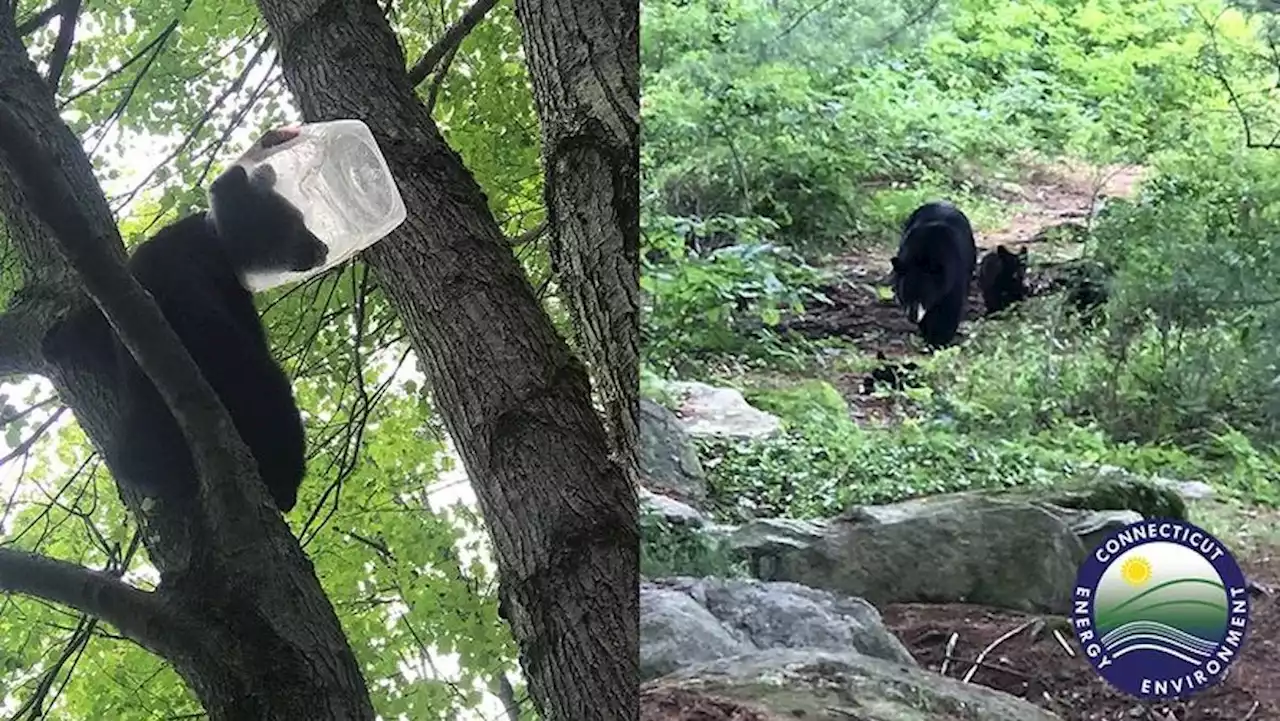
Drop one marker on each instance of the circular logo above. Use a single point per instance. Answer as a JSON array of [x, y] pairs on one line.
[[1161, 609]]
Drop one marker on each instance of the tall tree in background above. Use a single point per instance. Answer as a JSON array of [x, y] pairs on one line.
[[239, 613], [584, 63]]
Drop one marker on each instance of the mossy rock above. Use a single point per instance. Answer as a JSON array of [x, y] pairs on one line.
[[1107, 490]]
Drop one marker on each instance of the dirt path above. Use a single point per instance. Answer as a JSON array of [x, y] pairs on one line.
[[1046, 197], [1043, 198], [1054, 195]]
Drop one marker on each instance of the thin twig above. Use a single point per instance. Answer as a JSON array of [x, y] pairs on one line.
[[1005, 637], [946, 653], [800, 18], [449, 42], [975, 664], [1062, 641], [924, 12], [529, 235]]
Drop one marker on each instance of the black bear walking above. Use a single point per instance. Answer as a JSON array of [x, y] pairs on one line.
[[933, 269]]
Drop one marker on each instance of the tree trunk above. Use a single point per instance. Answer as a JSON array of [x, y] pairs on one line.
[[584, 61], [239, 611], [560, 511]]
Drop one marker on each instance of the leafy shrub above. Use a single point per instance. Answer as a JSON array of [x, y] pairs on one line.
[[720, 302], [748, 113], [677, 550], [1196, 311]]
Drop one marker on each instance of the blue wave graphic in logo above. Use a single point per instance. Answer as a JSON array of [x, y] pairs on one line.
[[1143, 635]]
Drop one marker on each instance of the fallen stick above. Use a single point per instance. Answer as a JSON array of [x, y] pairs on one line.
[[946, 654], [982, 656]]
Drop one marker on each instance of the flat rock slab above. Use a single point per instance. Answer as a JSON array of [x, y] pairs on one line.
[[815, 685], [710, 412]]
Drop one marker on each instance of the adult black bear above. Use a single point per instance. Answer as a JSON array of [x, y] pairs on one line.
[[1002, 276], [933, 268], [194, 269]]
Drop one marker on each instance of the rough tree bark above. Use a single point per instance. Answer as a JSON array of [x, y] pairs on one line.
[[584, 61], [239, 611], [560, 511]]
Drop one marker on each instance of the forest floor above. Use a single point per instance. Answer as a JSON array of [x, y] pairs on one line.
[[1042, 672], [1047, 199], [1050, 203]]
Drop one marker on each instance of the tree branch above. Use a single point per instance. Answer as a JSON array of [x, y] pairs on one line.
[[20, 334], [919, 16], [40, 19], [70, 11], [451, 39], [156, 44], [234, 87], [1221, 75], [529, 235], [131, 610], [434, 92]]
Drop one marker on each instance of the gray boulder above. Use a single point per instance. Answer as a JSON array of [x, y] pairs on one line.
[[942, 549], [668, 461], [710, 412], [685, 621]]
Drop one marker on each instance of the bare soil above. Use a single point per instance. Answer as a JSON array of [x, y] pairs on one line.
[[665, 704], [1042, 672], [1065, 193]]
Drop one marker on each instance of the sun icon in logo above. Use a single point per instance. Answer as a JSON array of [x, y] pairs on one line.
[[1136, 570]]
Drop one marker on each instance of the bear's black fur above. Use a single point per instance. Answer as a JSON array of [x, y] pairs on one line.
[[1002, 276], [194, 269], [933, 269]]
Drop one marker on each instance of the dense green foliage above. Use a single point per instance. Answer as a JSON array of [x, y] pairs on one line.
[[821, 130]]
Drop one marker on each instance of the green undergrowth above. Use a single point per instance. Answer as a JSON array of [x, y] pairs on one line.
[[772, 145], [668, 549], [822, 461]]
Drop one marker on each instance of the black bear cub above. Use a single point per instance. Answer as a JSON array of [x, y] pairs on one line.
[[933, 268], [888, 374], [1002, 276], [194, 269]]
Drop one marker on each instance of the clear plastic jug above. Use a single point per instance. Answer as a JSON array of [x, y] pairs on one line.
[[334, 173]]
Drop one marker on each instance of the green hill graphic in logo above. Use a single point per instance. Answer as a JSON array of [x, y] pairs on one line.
[[1161, 597]]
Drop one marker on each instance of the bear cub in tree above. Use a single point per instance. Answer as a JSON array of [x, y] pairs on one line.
[[1002, 276], [195, 269], [933, 268]]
